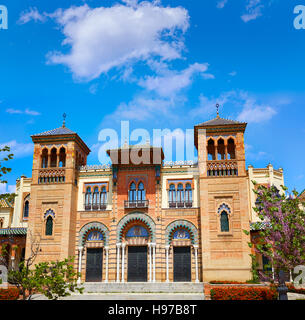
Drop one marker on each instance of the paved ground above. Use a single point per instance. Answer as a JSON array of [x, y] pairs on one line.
[[129, 296], [145, 296], [295, 296]]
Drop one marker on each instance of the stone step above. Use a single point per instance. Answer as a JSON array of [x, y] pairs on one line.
[[143, 287], [128, 296]]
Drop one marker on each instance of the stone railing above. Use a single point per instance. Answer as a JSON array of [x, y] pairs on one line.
[[51, 175], [220, 168], [95, 167], [179, 163]]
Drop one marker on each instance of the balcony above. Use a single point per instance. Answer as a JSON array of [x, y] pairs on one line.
[[95, 207], [136, 204], [180, 204], [51, 175], [222, 168]]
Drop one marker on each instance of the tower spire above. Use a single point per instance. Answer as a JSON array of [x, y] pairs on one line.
[[217, 109], [64, 121]]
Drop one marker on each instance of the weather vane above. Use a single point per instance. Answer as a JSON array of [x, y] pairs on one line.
[[64, 121], [217, 108]]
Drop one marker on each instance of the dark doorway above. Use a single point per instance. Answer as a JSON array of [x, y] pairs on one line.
[[182, 264], [94, 267], [137, 264]]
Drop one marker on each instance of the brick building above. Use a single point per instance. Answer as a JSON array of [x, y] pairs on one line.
[[151, 221]]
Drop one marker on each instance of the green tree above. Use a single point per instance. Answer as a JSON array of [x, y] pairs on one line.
[[57, 278], [4, 170], [53, 279]]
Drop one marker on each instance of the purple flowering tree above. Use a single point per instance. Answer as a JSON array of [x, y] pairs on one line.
[[282, 229]]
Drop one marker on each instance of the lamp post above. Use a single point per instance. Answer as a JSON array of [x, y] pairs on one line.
[[282, 289]]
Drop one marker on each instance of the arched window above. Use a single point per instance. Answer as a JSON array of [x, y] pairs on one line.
[[49, 226], [62, 157], [141, 192], [211, 150], [1, 223], [180, 193], [221, 154], [188, 195], [231, 149], [181, 234], [224, 222], [96, 198], [26, 209], [53, 157], [95, 236], [172, 195], [137, 231], [44, 158], [104, 196], [88, 199], [132, 193]]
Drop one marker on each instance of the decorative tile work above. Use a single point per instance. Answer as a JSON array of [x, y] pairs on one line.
[[183, 224], [136, 216], [49, 212], [93, 226]]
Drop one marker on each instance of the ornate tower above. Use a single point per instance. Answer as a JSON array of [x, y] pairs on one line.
[[224, 200], [57, 155]]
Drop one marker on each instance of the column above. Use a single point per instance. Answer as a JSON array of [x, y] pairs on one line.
[[118, 246], [107, 264], [226, 151], [150, 264], [123, 261], [154, 261], [167, 252], [80, 251], [196, 262]]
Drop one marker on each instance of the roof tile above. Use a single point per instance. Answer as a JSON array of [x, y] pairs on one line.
[[219, 122], [55, 132]]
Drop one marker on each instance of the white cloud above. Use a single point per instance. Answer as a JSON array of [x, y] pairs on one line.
[[253, 10], [19, 150], [242, 105], [14, 111], [253, 112], [207, 106], [31, 14], [221, 4], [5, 188], [171, 82], [141, 108], [110, 37], [255, 155], [233, 73], [26, 111], [93, 88]]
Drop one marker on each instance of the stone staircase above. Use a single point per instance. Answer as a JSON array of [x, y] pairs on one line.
[[144, 287]]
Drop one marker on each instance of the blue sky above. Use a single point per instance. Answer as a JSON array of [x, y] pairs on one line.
[[158, 64]]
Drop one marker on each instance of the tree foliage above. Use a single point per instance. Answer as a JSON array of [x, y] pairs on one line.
[[57, 278], [3, 169], [53, 279], [282, 239]]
